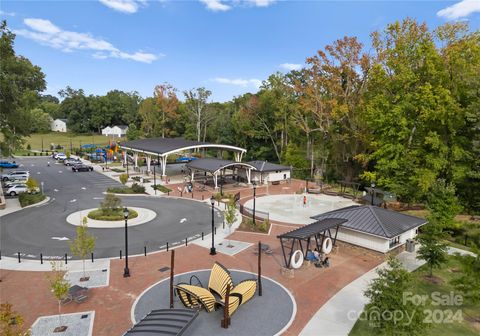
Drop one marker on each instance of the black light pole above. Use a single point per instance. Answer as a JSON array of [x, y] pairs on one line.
[[212, 249], [126, 271], [154, 180], [254, 194], [126, 159], [373, 191]]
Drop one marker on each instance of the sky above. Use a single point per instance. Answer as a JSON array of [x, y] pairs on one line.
[[228, 47]]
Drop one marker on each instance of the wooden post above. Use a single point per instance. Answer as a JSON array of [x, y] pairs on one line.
[[259, 268], [172, 264], [226, 314]]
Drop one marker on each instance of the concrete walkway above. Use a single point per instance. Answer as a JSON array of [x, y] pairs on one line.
[[338, 316]]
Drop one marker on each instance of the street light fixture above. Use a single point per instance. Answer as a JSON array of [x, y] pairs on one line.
[[126, 271], [254, 195], [212, 249], [373, 191]]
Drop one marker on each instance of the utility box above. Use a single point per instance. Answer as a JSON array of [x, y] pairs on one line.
[[410, 245]]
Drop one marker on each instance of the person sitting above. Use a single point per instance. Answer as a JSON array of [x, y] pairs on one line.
[[326, 262], [310, 256], [316, 254]]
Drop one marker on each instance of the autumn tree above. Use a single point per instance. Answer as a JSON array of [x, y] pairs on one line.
[[167, 103]]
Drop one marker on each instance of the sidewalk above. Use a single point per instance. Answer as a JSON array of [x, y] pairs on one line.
[[338, 316]]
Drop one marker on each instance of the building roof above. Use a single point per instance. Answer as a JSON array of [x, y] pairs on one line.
[[265, 166], [310, 230], [165, 146], [374, 220], [214, 165], [122, 127]]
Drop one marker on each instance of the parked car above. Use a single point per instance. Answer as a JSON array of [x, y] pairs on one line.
[[60, 156], [8, 164], [72, 162], [16, 174], [185, 159], [20, 188], [81, 167], [9, 184]]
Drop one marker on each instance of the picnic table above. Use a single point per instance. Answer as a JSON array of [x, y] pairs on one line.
[[76, 293]]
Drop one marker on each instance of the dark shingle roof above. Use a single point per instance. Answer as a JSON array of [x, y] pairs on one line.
[[374, 220], [265, 166], [212, 165], [170, 145], [312, 229]]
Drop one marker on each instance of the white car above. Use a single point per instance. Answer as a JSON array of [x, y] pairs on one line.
[[16, 175], [20, 188], [60, 156]]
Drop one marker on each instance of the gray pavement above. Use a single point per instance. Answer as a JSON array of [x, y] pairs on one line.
[[44, 229], [266, 315]]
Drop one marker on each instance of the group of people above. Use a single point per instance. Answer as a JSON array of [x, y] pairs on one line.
[[317, 258]]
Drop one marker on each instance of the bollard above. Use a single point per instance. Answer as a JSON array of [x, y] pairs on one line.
[[186, 241], [145, 251], [18, 254], [203, 197], [41, 258], [168, 193], [202, 235], [167, 246], [0, 254], [92, 256], [120, 254], [224, 224], [66, 261], [215, 230]]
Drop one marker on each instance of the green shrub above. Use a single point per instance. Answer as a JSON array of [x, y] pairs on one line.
[[123, 178], [263, 226], [99, 214], [136, 178], [34, 153], [117, 170], [29, 199], [162, 188], [138, 189], [29, 147]]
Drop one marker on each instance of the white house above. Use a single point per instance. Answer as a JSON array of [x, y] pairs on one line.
[[267, 172], [374, 228], [117, 130], [59, 125]]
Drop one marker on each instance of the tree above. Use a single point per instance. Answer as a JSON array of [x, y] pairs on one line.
[[167, 102], [123, 178], [150, 117], [83, 244], [443, 204], [468, 282], [432, 249], [386, 295], [41, 121], [230, 214], [110, 203], [11, 322], [133, 132], [59, 286], [20, 84], [77, 108], [196, 105], [32, 185]]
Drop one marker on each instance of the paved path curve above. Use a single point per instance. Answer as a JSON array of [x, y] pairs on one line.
[[44, 229]]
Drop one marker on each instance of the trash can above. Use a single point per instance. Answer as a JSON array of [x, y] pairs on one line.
[[410, 245]]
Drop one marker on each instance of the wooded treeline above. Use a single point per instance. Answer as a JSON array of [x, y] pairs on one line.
[[402, 112]]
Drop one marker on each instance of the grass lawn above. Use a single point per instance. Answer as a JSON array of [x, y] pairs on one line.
[[63, 139], [423, 286]]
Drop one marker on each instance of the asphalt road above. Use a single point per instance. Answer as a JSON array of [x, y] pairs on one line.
[[44, 229]]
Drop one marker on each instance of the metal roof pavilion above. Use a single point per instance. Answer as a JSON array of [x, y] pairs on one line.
[[162, 147]]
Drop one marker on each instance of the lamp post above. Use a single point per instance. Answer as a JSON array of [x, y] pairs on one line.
[[254, 194], [126, 159], [373, 191], [126, 271], [212, 249]]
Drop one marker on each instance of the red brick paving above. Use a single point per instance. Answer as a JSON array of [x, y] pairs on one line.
[[312, 287]]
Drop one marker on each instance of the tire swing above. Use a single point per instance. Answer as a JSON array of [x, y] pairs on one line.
[[327, 245], [297, 259]]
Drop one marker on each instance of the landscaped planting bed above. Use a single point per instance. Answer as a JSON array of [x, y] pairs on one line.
[[113, 215]]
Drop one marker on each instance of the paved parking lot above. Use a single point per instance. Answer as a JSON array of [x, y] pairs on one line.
[[44, 229]]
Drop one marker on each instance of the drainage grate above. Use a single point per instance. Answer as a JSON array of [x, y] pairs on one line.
[[164, 269], [84, 316], [104, 270]]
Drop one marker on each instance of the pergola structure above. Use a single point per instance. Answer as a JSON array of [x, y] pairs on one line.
[[161, 148], [317, 230], [217, 167]]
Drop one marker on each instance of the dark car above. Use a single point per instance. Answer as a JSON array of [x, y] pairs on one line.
[[81, 167]]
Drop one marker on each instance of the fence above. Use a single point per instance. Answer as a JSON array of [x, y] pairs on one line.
[[134, 250]]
